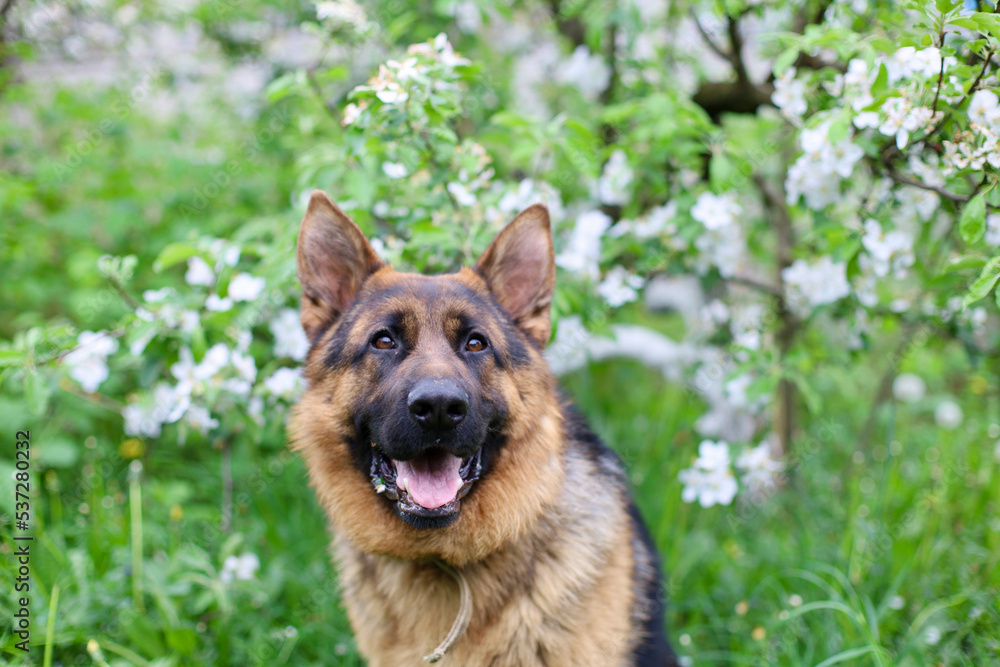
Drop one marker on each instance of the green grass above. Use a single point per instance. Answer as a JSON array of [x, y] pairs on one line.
[[806, 577]]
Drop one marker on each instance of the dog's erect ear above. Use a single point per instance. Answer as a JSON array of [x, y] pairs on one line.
[[334, 258], [520, 269]]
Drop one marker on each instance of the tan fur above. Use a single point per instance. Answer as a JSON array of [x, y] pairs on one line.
[[549, 554]]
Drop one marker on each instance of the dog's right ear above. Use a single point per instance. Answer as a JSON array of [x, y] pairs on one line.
[[334, 258]]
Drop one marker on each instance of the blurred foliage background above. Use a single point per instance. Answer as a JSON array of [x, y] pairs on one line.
[[777, 232]]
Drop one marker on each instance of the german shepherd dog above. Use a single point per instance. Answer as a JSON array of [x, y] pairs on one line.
[[464, 492]]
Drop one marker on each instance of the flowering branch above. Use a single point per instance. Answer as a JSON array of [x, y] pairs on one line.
[[774, 203], [940, 79], [947, 194], [975, 84], [718, 50], [756, 284]]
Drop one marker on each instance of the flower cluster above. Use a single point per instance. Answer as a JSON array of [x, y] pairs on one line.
[[88, 361], [813, 283], [721, 244], [818, 173], [582, 254], [427, 76], [710, 479]]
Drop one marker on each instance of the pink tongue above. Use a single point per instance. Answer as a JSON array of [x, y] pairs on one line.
[[433, 478]]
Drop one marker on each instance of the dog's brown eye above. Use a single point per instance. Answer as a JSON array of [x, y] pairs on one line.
[[476, 344], [383, 341]]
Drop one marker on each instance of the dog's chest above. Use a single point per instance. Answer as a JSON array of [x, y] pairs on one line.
[[550, 607]]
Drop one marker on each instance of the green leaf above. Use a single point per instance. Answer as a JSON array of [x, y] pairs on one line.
[[785, 59], [988, 23], [58, 452], [173, 254], [987, 281], [944, 6], [839, 130], [962, 263], [10, 357], [37, 391], [881, 80], [972, 225]]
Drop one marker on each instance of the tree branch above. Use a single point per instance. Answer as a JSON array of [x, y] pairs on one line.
[[947, 194], [718, 50], [572, 28], [756, 284], [774, 204], [982, 72], [5, 9]]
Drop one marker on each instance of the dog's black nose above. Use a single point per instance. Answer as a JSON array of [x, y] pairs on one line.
[[438, 404]]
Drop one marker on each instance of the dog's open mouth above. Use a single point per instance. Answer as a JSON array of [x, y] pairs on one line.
[[430, 485]]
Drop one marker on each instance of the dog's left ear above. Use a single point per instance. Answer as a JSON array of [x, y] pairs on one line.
[[520, 269], [334, 258]]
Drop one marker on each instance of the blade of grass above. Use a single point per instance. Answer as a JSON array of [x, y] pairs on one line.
[[135, 508], [50, 626], [852, 653]]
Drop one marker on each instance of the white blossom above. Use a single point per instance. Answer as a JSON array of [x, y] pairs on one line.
[[468, 16], [619, 287], [238, 568], [145, 415], [285, 383], [394, 170], [461, 194], [908, 388], [813, 283], [157, 296], [218, 304], [790, 94], [199, 272], [724, 248], [926, 62], [405, 70], [655, 221], [244, 365], [88, 361], [992, 235], [200, 419], [917, 203], [984, 108], [710, 479], [583, 252], [584, 71], [613, 186], [759, 469], [244, 287], [948, 415], [890, 252], [289, 338], [343, 13], [866, 119], [530, 191], [351, 114], [716, 211], [840, 158]]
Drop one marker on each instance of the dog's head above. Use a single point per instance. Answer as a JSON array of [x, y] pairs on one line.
[[428, 403]]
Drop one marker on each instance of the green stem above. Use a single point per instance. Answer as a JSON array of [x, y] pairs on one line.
[[135, 506], [50, 626]]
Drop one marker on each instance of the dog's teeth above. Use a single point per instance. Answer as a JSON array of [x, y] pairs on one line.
[[464, 490], [380, 488], [405, 484]]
